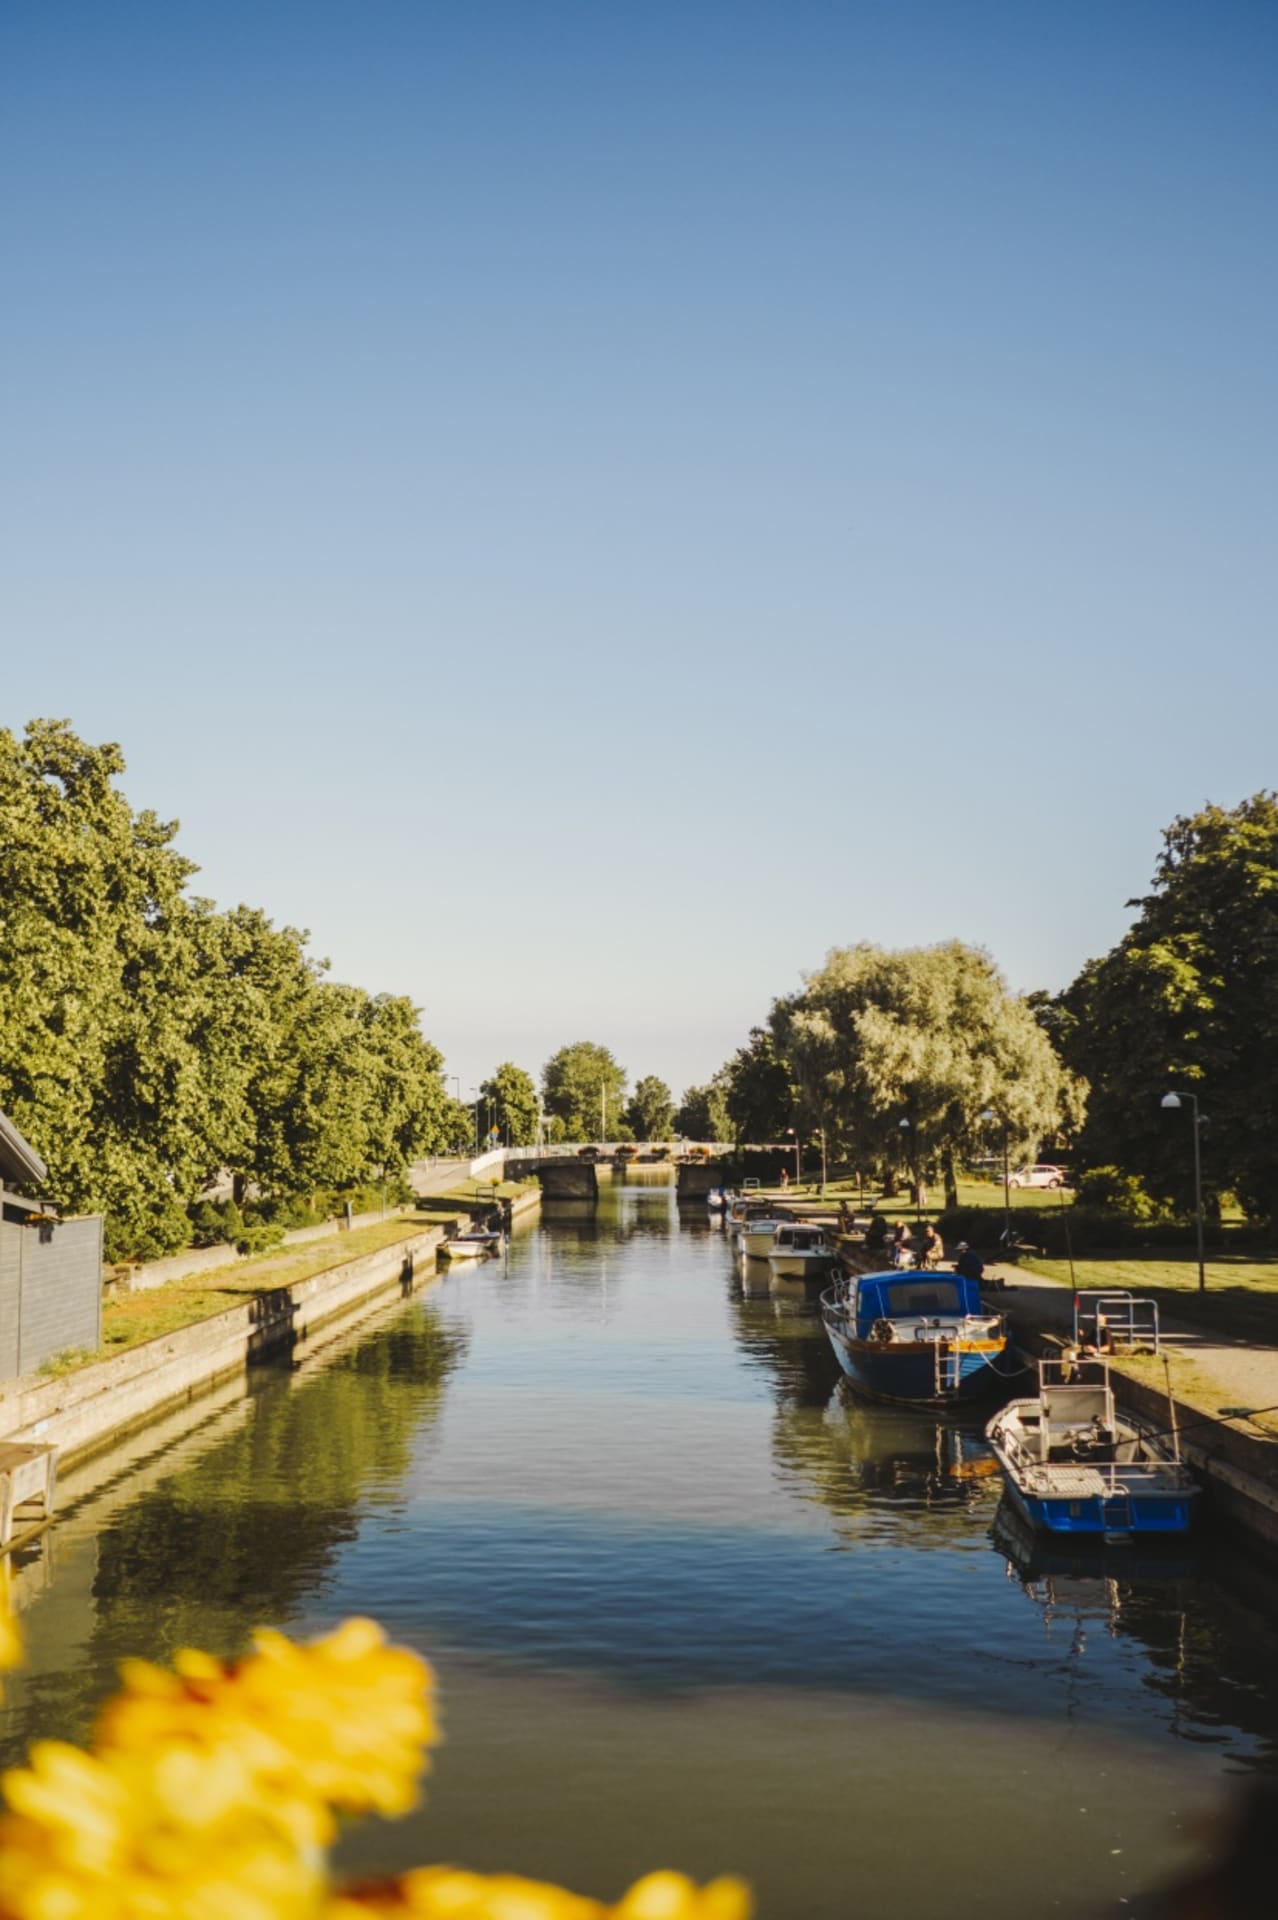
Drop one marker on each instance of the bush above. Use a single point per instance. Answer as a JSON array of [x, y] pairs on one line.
[[259, 1236], [1110, 1190], [215, 1221]]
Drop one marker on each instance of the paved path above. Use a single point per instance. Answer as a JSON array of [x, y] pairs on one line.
[[1208, 1370]]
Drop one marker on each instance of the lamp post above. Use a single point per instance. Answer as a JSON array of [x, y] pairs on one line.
[[821, 1131], [797, 1173], [1171, 1101], [475, 1118], [910, 1142], [989, 1114]]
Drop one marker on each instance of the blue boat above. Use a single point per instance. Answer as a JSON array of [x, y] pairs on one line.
[[1076, 1467], [923, 1339]]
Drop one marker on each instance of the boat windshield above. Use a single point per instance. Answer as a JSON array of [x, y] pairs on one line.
[[924, 1296]]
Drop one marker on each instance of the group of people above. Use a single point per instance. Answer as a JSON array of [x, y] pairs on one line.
[[927, 1250]]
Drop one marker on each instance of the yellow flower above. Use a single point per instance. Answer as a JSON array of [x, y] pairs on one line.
[[445, 1893], [341, 1725], [157, 1837]]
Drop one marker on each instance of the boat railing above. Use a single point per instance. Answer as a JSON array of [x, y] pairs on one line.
[[1114, 1319]]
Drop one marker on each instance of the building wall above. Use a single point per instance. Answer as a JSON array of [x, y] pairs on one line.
[[50, 1292], [10, 1279]]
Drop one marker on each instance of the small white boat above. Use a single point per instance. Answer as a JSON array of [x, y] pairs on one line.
[[757, 1233], [717, 1199], [471, 1245], [1074, 1465], [801, 1251]]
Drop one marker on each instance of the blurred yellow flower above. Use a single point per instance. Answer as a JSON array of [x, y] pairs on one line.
[[446, 1893], [211, 1792]]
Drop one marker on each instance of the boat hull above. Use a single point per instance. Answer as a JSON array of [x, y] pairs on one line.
[[1103, 1517], [906, 1371], [801, 1266]]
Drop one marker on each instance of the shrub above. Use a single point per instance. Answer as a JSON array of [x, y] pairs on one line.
[[1110, 1190]]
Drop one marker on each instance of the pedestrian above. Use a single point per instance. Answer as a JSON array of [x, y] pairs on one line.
[[785, 1178], [968, 1262]]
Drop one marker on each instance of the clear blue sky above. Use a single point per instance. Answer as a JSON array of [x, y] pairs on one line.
[[587, 506]]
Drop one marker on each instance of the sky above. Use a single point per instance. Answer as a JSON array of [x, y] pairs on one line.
[[586, 507]]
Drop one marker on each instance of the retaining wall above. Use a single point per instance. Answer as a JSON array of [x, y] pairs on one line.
[[96, 1404]]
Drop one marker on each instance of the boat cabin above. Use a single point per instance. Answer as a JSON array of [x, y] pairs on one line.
[[914, 1296], [799, 1239], [1075, 1420]]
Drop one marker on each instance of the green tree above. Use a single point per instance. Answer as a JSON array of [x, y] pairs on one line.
[[1189, 998], [760, 1093], [703, 1113], [650, 1114], [929, 1036], [148, 1041], [583, 1086], [511, 1095]]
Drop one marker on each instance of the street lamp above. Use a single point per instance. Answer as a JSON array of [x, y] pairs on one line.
[[1172, 1101], [475, 1118], [797, 1174], [989, 1114], [910, 1143]]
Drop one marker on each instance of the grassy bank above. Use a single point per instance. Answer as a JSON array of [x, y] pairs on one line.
[[1241, 1299], [130, 1318]]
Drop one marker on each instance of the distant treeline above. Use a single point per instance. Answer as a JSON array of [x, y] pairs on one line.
[[150, 1043]]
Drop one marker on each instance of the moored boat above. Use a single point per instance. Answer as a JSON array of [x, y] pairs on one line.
[[1076, 1466], [801, 1251], [922, 1338], [473, 1244]]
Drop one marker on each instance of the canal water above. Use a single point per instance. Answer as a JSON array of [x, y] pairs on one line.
[[689, 1604]]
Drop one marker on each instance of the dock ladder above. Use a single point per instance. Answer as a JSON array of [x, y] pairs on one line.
[[948, 1363], [1116, 1514]]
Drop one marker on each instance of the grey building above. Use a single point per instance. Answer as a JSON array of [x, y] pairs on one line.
[[50, 1269]]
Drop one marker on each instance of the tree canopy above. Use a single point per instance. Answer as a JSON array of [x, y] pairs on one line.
[[511, 1097], [928, 1036], [650, 1113], [584, 1088], [1188, 999], [703, 1114], [149, 1042]]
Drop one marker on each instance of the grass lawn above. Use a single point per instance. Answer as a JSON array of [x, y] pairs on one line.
[[971, 1193], [1241, 1297], [131, 1318]]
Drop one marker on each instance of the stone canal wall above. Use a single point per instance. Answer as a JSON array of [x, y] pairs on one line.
[[89, 1408]]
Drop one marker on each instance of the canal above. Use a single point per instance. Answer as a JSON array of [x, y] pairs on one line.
[[689, 1604]]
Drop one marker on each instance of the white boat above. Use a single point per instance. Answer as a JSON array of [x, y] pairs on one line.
[[473, 1244], [757, 1233], [717, 1199], [801, 1251], [1074, 1465]]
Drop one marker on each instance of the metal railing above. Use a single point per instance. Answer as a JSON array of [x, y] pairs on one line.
[[1112, 1320]]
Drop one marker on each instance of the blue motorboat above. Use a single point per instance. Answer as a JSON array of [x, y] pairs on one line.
[[925, 1339], [1077, 1467]]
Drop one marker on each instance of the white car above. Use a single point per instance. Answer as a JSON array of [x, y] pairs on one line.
[[1037, 1177]]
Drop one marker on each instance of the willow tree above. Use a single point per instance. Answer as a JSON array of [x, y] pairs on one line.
[[912, 1059]]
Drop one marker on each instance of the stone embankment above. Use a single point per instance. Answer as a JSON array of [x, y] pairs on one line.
[[94, 1405]]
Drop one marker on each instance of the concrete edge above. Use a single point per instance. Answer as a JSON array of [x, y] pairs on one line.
[[105, 1406]]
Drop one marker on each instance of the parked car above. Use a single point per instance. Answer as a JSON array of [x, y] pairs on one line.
[[1042, 1176]]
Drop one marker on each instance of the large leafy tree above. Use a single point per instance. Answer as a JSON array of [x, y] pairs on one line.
[[147, 1041], [650, 1114], [1189, 998], [928, 1036], [760, 1094], [703, 1114], [584, 1088], [511, 1096]]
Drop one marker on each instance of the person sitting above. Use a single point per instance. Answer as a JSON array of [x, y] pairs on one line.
[[902, 1245], [876, 1234], [932, 1252]]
